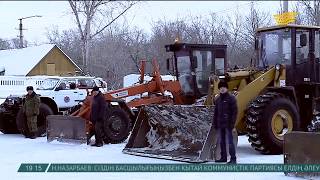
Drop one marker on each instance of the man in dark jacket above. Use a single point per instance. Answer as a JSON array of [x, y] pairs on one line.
[[31, 107], [225, 115], [98, 113]]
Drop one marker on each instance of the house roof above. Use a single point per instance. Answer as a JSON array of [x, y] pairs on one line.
[[22, 61]]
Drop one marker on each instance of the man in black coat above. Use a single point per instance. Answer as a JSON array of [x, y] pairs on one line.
[[225, 115], [98, 113]]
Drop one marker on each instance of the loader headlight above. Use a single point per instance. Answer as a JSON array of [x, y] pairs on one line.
[[278, 66]]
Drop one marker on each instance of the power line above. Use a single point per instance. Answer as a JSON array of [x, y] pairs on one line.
[[237, 6]]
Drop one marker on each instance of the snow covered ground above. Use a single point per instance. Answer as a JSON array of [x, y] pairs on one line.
[[16, 149]]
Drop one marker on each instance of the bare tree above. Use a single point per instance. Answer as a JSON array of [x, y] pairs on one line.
[[135, 46], [254, 20], [68, 41], [4, 44], [116, 48], [233, 28], [11, 44], [310, 12], [93, 17], [15, 43]]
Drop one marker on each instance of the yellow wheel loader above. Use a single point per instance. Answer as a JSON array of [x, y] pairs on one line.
[[279, 94]]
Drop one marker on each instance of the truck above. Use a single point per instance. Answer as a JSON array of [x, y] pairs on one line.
[[58, 95]]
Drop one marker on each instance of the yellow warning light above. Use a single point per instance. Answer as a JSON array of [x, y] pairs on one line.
[[285, 18]]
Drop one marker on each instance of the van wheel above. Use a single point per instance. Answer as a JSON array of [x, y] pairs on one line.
[[21, 120]]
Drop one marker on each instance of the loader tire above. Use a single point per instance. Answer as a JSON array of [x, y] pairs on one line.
[[269, 117], [21, 120], [116, 126]]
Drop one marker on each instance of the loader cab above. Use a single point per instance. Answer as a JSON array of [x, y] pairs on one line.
[[294, 46], [192, 64]]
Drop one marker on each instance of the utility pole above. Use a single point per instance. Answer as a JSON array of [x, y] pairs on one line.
[[285, 6], [21, 29]]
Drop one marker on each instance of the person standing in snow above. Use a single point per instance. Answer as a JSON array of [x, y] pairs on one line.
[[225, 115], [98, 113], [31, 107]]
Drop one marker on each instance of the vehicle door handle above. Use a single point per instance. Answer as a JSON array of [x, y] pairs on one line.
[[75, 92]]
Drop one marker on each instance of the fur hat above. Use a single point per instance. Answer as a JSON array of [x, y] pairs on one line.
[[29, 88], [223, 84]]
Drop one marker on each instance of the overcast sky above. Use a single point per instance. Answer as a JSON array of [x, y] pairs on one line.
[[58, 13]]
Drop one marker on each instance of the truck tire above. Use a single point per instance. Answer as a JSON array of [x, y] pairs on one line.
[[21, 120], [269, 117], [116, 126], [7, 124]]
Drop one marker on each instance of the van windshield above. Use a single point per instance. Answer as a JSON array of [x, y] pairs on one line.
[[49, 84]]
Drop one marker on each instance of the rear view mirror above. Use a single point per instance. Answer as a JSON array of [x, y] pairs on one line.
[[195, 61], [256, 44], [168, 64], [303, 40]]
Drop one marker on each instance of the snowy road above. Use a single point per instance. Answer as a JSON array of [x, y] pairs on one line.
[[15, 150]]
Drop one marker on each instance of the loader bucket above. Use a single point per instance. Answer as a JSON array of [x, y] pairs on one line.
[[174, 132], [302, 148], [66, 129]]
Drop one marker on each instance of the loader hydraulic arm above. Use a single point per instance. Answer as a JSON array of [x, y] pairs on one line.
[[249, 92], [155, 88]]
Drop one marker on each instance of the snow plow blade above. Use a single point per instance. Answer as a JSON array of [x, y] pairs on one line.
[[302, 148], [173, 132], [69, 129]]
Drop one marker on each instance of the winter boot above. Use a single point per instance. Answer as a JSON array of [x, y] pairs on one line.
[[221, 160], [232, 161], [33, 135], [97, 144]]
